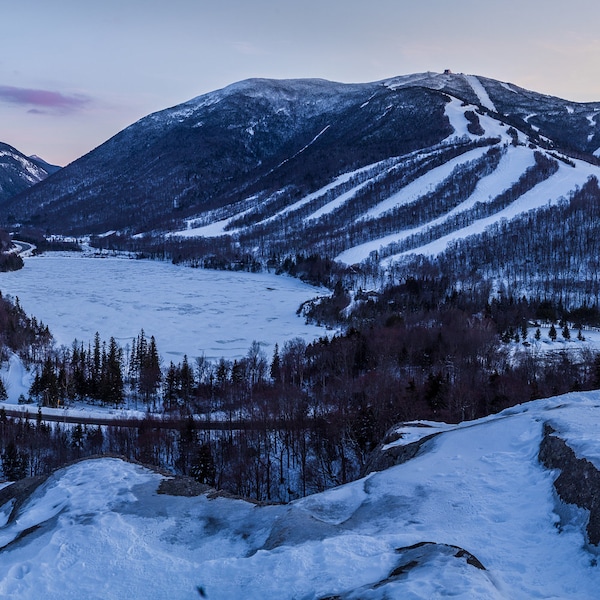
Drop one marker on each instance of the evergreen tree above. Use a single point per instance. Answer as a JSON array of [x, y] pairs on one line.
[[96, 370], [150, 374], [237, 373], [203, 467], [45, 385], [222, 373], [170, 388], [275, 371], [566, 333], [524, 331], [14, 463], [112, 376], [435, 391], [552, 333], [77, 436], [187, 381], [188, 439]]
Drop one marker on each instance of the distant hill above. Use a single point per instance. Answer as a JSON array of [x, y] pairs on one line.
[[45, 165], [19, 172]]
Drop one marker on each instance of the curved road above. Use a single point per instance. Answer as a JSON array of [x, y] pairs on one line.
[[23, 248]]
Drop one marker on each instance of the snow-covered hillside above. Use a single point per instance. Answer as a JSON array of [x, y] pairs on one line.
[[414, 204], [365, 178], [474, 515], [275, 158], [19, 172]]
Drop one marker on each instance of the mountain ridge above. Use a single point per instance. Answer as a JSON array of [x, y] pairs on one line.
[[19, 172], [353, 172]]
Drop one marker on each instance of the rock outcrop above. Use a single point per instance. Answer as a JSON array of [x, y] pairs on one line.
[[578, 482]]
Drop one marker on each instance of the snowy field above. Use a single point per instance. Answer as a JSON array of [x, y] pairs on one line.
[[98, 529], [189, 311]]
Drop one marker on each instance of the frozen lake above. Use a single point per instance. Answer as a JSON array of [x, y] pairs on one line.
[[189, 311]]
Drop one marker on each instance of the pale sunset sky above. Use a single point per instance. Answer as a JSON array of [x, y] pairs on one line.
[[73, 73]]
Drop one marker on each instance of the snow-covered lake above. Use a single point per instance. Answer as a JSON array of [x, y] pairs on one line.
[[189, 311]]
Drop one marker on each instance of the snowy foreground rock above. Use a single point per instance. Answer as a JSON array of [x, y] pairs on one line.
[[473, 515]]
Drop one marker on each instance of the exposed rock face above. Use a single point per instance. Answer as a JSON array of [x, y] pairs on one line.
[[182, 486], [13, 496], [383, 458], [417, 556], [578, 482]]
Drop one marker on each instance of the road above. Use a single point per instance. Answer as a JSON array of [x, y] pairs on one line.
[[156, 421], [23, 248]]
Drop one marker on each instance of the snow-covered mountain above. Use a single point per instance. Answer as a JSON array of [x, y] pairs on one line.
[[478, 510], [19, 172], [290, 160], [49, 168]]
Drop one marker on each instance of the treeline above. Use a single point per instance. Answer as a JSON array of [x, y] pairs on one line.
[[44, 243], [268, 234], [9, 261], [307, 417], [258, 461], [272, 243], [26, 336], [369, 185], [336, 230], [102, 372]]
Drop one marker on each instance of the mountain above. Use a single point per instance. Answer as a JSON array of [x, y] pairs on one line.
[[19, 172], [359, 173], [45, 165], [253, 137], [255, 148], [478, 510]]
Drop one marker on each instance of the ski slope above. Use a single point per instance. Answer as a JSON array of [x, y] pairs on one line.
[[517, 159], [352, 218], [558, 186]]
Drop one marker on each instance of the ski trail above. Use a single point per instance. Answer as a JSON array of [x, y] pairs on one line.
[[511, 167], [480, 92], [424, 184], [558, 186]]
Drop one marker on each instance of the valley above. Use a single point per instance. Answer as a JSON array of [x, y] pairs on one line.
[[350, 323]]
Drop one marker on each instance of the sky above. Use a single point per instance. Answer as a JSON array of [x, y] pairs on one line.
[[73, 73]]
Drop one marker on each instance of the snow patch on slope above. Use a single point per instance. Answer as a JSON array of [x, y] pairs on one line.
[[424, 184], [455, 111]]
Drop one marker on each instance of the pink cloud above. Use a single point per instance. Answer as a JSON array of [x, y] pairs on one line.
[[43, 101]]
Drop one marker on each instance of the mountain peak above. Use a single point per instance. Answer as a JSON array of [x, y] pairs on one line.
[[19, 172]]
